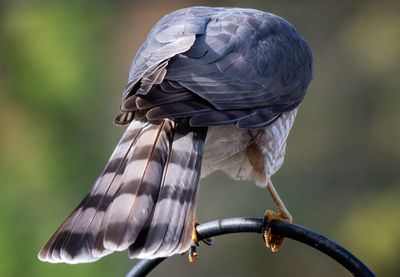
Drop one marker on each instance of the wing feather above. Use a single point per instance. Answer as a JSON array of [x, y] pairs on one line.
[[227, 60], [181, 109]]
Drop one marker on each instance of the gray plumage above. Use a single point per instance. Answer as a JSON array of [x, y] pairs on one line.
[[198, 67], [228, 59]]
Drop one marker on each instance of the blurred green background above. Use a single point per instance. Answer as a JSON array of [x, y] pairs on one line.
[[63, 66]]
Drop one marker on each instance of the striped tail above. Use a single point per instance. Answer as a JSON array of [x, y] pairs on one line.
[[144, 200]]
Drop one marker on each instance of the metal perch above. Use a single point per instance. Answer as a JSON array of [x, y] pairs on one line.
[[254, 225]]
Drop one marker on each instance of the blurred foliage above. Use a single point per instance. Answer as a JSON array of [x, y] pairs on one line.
[[63, 66], [375, 218]]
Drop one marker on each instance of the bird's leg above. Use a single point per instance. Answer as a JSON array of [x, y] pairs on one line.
[[195, 243], [274, 241]]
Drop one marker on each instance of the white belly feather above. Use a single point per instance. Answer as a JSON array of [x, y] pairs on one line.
[[226, 149]]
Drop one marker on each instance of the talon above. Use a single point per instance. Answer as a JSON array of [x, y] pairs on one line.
[[195, 238], [193, 253], [195, 242], [272, 241]]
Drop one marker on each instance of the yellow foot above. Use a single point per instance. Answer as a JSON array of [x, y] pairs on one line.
[[271, 240], [195, 243], [193, 254]]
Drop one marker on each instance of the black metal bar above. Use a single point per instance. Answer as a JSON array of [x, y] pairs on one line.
[[143, 267], [323, 244], [292, 231]]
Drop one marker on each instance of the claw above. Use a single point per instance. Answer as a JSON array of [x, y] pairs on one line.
[[273, 241], [195, 238], [193, 253], [195, 243]]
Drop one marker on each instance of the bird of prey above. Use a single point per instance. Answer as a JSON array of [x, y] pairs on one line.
[[210, 89]]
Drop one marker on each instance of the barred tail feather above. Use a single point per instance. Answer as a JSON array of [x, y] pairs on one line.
[[139, 188], [144, 199], [170, 226], [72, 242]]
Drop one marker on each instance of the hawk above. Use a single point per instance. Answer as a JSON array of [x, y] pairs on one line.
[[210, 89]]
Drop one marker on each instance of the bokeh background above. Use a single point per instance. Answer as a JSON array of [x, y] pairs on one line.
[[63, 66]]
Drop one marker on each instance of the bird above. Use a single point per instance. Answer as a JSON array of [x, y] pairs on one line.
[[211, 88]]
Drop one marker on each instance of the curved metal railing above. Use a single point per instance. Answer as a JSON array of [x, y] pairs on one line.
[[255, 225]]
